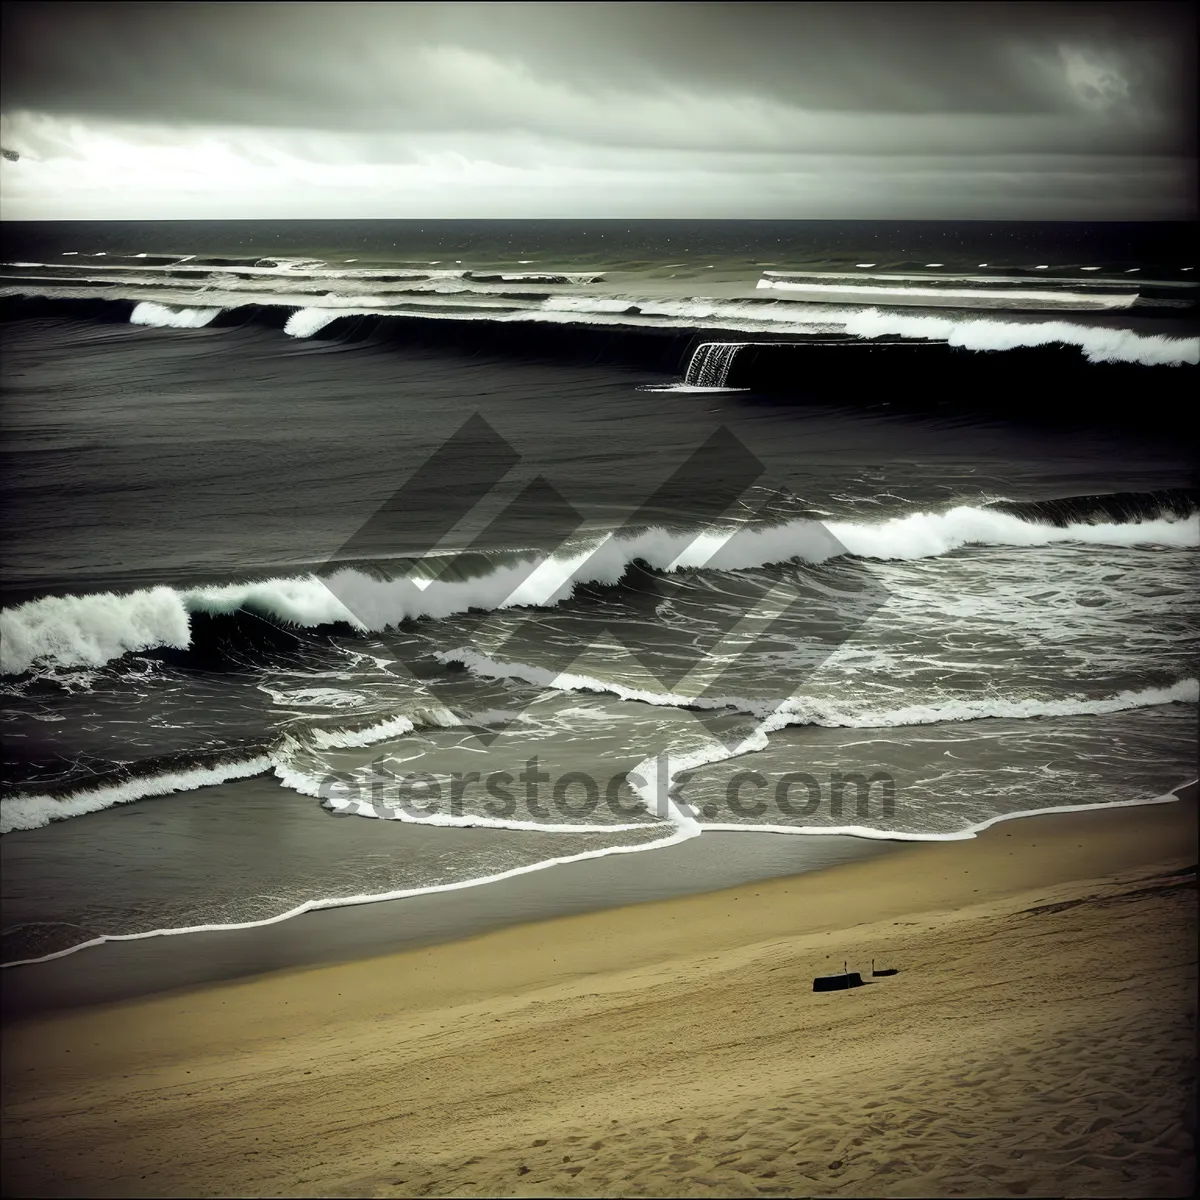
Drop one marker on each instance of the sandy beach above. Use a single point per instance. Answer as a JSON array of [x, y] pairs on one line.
[[1038, 1038]]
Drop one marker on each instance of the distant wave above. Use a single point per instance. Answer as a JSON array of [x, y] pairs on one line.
[[148, 313], [576, 277], [1098, 345], [955, 280], [89, 630], [480, 301], [269, 268], [919, 296]]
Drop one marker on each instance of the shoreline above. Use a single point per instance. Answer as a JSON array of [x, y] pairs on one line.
[[127, 966], [146, 964], [1038, 1037]]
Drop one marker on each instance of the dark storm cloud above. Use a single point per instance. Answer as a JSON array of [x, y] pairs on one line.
[[903, 110], [1039, 77]]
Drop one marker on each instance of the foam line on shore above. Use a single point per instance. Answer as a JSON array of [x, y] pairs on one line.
[[678, 836], [350, 901], [961, 835]]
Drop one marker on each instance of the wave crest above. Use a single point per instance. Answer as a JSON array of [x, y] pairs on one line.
[[1098, 345], [162, 317], [90, 630]]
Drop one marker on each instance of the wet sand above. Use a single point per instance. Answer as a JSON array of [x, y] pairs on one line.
[[1038, 1038], [120, 970]]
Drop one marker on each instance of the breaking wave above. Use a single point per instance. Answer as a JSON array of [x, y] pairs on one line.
[[307, 322], [149, 313], [927, 535], [169, 775], [483, 298], [1097, 345], [32, 812], [90, 630]]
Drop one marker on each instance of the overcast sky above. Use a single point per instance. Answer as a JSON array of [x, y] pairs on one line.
[[944, 110]]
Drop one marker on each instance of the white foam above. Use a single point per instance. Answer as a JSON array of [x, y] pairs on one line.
[[348, 901], [1098, 345], [962, 835], [1130, 288], [678, 834], [928, 535], [710, 364], [305, 601], [306, 322], [688, 389], [803, 710], [565, 681], [90, 630], [331, 799], [32, 812], [346, 739], [159, 315]]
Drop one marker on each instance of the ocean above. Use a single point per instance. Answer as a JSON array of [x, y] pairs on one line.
[[353, 560]]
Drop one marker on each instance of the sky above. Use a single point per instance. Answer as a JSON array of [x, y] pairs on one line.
[[159, 111]]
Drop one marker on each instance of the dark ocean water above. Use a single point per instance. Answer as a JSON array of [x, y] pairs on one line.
[[702, 520]]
